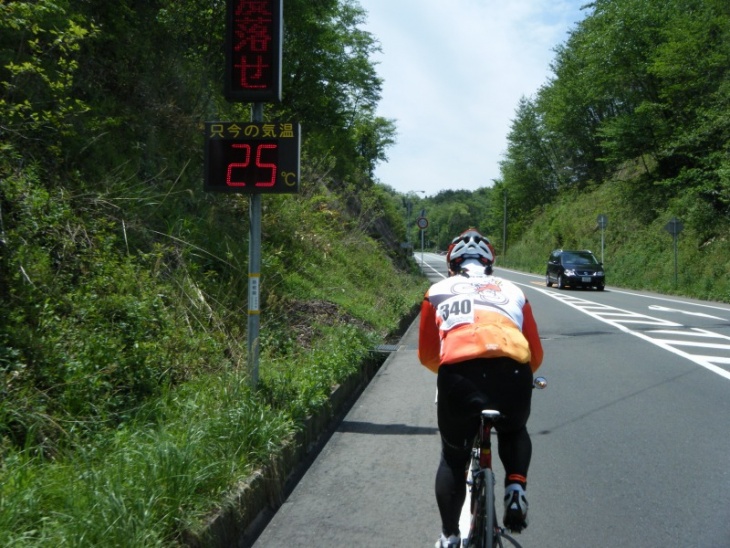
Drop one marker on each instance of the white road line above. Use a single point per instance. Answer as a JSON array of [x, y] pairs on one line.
[[700, 345], [694, 332], [614, 290], [424, 263], [618, 317], [708, 362], [700, 314]]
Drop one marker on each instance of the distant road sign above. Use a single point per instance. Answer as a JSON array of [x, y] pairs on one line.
[[602, 221], [422, 223], [674, 227]]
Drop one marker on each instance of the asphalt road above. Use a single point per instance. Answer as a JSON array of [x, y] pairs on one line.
[[630, 440]]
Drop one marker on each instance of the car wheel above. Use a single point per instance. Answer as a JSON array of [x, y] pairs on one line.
[[547, 281], [600, 287], [561, 283]]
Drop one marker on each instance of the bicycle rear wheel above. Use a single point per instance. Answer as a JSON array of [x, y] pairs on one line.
[[485, 532], [476, 528], [493, 536]]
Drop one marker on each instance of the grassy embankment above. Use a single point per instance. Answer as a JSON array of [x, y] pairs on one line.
[[638, 251], [127, 413]]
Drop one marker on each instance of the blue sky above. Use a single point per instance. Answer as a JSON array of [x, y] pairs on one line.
[[454, 72]]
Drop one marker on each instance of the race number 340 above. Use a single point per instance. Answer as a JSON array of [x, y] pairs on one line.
[[456, 311]]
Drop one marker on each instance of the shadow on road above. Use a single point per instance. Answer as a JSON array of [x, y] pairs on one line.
[[356, 427]]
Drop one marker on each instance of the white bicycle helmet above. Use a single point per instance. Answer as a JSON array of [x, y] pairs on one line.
[[470, 244]]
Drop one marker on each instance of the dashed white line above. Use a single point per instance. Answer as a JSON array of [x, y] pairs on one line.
[[619, 318]]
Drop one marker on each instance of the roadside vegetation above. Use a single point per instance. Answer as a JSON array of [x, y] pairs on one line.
[[127, 411]]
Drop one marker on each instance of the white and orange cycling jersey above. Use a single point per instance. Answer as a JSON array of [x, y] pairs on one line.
[[477, 316]]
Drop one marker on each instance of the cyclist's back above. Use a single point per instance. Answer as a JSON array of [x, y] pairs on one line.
[[477, 332]]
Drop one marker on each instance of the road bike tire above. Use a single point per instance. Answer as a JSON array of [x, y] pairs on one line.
[[494, 537], [476, 527]]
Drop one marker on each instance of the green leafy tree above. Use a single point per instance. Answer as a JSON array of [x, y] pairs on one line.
[[530, 167], [331, 86], [39, 65], [639, 88], [106, 254], [693, 65]]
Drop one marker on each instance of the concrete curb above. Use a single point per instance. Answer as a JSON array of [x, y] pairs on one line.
[[248, 510]]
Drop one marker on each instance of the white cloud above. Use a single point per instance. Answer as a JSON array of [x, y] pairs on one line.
[[453, 75]]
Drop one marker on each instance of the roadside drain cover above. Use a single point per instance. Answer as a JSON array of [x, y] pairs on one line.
[[387, 348]]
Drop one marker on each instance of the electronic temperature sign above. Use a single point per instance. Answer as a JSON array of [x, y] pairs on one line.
[[253, 50], [252, 157]]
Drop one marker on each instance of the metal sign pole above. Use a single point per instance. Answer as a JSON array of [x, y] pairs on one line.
[[422, 231], [674, 227], [602, 223], [254, 268], [242, 159], [676, 262]]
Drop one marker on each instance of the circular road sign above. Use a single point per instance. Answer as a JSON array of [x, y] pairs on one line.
[[674, 227], [422, 223]]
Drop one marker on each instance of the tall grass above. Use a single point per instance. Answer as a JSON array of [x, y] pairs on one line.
[[142, 484], [162, 473]]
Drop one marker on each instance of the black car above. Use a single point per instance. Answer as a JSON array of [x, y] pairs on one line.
[[578, 268]]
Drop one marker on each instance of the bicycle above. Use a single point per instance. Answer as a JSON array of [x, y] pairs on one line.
[[484, 528]]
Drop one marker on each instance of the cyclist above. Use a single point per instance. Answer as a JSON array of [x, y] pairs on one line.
[[477, 332]]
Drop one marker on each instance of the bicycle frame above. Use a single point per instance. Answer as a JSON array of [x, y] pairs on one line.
[[485, 439], [484, 516]]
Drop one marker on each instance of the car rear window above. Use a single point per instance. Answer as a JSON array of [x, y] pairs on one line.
[[579, 258]]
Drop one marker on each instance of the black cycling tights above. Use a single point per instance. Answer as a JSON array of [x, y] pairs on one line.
[[464, 389]]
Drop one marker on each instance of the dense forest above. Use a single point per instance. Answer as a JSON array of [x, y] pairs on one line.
[[641, 91], [126, 411]]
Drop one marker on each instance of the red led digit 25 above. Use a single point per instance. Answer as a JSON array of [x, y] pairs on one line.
[[261, 172]]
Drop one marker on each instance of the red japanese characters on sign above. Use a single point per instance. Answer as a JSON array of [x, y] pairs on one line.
[[253, 50]]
